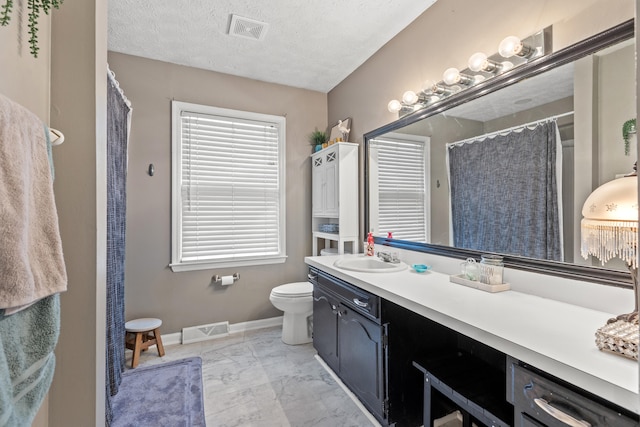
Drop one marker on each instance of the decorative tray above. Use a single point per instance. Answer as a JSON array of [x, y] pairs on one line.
[[460, 280], [619, 337]]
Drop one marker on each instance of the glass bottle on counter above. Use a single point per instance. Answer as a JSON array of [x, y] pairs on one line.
[[470, 269], [491, 269]]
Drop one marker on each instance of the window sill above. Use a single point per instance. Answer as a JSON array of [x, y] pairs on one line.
[[192, 266]]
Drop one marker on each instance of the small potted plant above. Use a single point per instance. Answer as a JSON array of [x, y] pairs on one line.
[[628, 129], [317, 138]]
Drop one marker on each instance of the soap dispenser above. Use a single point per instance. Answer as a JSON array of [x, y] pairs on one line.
[[370, 244]]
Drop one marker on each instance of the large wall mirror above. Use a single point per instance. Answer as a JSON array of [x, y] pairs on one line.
[[422, 169]]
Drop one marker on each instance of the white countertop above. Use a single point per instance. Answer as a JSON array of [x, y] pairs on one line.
[[554, 336]]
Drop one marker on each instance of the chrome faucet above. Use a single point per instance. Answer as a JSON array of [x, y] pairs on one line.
[[391, 257]]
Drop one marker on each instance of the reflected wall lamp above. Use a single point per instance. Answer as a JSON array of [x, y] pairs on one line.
[[480, 68]]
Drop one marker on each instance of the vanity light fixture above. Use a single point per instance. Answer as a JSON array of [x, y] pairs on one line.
[[452, 76], [409, 97], [429, 87], [479, 62], [480, 68], [512, 45], [394, 106]]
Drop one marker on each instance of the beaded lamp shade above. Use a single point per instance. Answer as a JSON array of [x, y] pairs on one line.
[[610, 221], [610, 230]]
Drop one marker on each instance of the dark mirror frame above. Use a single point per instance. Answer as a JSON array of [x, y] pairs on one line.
[[537, 66]]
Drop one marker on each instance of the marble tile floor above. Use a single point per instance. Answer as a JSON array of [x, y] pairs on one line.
[[254, 379]]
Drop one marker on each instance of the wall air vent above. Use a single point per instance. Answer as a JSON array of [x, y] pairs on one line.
[[204, 332], [247, 28]]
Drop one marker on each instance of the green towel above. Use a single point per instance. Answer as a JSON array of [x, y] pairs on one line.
[[27, 362]]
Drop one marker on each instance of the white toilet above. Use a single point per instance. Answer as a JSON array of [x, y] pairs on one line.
[[296, 300]]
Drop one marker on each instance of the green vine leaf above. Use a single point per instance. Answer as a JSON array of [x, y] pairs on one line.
[[5, 13], [34, 7], [628, 129]]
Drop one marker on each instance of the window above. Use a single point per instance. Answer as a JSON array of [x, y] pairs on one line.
[[399, 197], [228, 201]]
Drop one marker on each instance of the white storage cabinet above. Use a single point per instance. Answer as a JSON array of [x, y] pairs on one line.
[[335, 196]]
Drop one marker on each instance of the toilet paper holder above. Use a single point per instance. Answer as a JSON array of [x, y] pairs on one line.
[[217, 279]]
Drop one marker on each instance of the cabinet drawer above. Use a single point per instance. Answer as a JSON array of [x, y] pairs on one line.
[[552, 404], [352, 296]]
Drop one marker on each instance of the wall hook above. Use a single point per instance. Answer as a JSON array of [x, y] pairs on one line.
[[152, 169]]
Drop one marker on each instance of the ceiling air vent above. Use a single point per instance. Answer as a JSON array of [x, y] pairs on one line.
[[247, 28]]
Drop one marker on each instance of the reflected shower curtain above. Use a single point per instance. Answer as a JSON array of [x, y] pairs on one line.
[[118, 123], [525, 220]]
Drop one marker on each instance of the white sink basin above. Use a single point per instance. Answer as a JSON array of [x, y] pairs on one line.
[[367, 264]]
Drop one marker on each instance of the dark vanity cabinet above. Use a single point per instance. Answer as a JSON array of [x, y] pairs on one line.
[[409, 370], [540, 400], [349, 335], [325, 326]]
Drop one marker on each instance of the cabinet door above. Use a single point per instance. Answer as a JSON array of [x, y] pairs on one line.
[[318, 186], [332, 191], [361, 358], [325, 327]]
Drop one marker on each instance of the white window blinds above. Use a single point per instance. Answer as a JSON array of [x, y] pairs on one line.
[[228, 176], [401, 185]]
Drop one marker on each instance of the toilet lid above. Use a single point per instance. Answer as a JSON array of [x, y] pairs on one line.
[[298, 289]]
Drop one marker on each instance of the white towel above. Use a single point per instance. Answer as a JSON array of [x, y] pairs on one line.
[[31, 261]]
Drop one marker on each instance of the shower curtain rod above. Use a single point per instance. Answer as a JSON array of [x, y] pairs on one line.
[[508, 130]]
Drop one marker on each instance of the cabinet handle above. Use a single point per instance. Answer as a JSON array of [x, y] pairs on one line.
[[312, 276], [559, 415], [360, 303]]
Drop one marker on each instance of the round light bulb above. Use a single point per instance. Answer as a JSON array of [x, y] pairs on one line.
[[478, 62], [451, 76], [510, 46], [394, 106], [409, 97]]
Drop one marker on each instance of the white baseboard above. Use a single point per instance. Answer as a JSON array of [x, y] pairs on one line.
[[171, 339], [255, 324], [176, 338]]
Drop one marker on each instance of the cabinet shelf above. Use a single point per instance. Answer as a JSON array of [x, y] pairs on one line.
[[475, 387]]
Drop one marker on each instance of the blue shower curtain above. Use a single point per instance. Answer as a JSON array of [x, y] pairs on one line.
[[118, 122], [525, 220]]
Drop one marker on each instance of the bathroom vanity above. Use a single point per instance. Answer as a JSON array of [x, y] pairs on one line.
[[351, 338], [425, 347]]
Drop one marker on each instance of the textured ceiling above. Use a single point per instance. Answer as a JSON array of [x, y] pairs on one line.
[[312, 44]]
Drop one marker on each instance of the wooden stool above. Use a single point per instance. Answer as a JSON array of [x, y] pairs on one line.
[[140, 334]]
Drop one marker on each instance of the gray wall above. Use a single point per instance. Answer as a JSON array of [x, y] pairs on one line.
[[77, 103], [445, 36], [78, 108], [187, 298]]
